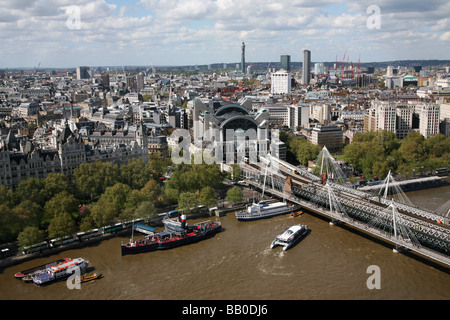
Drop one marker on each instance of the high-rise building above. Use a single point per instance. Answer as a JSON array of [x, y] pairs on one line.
[[105, 79], [281, 82], [390, 71], [404, 120], [306, 74], [330, 136], [82, 73], [381, 115], [318, 68], [285, 61], [429, 119], [298, 116], [243, 57]]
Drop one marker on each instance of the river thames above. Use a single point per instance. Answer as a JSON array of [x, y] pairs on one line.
[[331, 262]]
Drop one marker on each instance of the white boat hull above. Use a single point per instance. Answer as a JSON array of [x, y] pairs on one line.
[[287, 243]]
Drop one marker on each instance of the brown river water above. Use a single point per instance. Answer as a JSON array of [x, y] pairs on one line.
[[331, 262]]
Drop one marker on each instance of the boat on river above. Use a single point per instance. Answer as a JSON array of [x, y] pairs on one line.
[[26, 275], [176, 233], [263, 210], [87, 278], [289, 237], [61, 271]]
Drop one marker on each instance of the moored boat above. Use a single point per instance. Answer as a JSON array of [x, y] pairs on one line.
[[89, 278], [39, 269], [175, 235], [296, 214], [61, 271], [265, 210], [289, 237]]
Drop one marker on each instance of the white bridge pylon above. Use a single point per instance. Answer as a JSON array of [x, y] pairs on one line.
[[329, 166], [389, 220]]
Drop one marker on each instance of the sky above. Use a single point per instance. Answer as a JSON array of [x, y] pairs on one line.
[[70, 33]]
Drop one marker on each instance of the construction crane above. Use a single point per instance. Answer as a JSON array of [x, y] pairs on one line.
[[36, 68], [359, 64], [342, 63], [346, 71]]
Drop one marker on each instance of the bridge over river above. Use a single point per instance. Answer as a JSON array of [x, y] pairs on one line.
[[407, 227]]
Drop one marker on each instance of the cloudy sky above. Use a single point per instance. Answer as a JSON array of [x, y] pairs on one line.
[[67, 33]]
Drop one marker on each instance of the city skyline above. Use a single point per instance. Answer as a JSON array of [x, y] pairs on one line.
[[65, 33]]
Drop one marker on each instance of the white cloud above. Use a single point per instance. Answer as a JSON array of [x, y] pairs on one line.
[[172, 32], [445, 36]]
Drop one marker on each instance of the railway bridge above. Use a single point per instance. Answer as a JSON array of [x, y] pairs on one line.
[[397, 222]]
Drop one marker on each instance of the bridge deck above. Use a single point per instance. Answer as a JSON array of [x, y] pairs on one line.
[[358, 198]]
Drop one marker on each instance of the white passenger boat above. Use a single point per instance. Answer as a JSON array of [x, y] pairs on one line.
[[61, 271], [289, 237], [265, 210]]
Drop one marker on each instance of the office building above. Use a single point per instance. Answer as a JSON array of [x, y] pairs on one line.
[[82, 73], [429, 118], [404, 120], [318, 68], [298, 116], [382, 115], [281, 82], [330, 136], [285, 62], [306, 72]]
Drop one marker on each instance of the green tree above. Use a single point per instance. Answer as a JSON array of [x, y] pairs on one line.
[[412, 150], [117, 194], [363, 155], [151, 190], [188, 202], [135, 198], [104, 213], [208, 197], [437, 145], [28, 213], [135, 173], [62, 202], [9, 224], [53, 184], [86, 224], [380, 169], [61, 225], [158, 165], [91, 179], [31, 189], [30, 236], [7, 196], [194, 177], [146, 210], [171, 195], [234, 195]]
